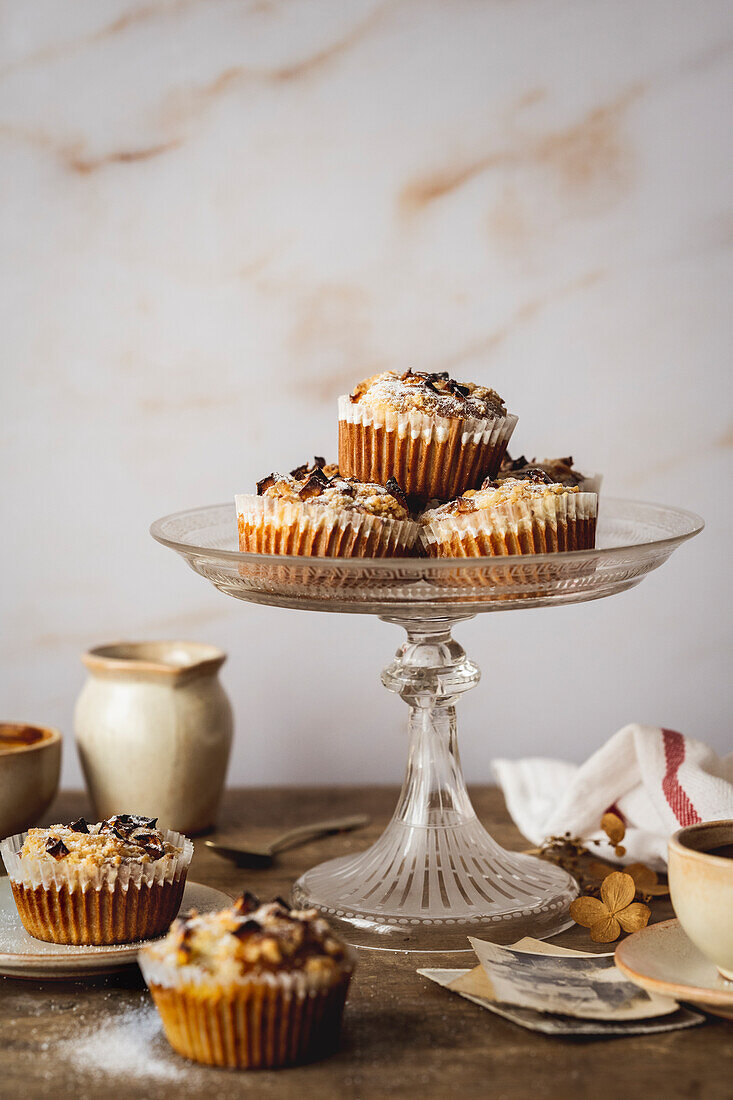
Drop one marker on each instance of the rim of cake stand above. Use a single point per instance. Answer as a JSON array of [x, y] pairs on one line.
[[696, 525]]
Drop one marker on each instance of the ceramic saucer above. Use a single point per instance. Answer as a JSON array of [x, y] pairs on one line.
[[661, 959], [22, 956]]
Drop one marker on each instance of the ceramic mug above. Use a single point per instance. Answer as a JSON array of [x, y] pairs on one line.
[[154, 729], [701, 888], [30, 761]]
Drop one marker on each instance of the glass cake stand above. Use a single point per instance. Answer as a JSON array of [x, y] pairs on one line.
[[435, 875]]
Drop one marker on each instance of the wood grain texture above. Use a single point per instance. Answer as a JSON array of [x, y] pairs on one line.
[[403, 1037]]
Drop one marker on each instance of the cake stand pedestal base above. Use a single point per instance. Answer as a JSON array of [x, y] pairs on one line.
[[435, 876]]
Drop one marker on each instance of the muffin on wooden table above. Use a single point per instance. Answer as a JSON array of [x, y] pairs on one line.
[[114, 881], [529, 516], [310, 513], [436, 436], [559, 470], [253, 986]]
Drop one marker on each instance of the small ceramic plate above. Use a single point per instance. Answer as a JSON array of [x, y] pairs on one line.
[[22, 956], [661, 959]]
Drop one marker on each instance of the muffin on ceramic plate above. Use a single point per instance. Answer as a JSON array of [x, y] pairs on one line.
[[436, 436], [115, 881], [529, 516], [310, 513], [559, 470], [253, 986]]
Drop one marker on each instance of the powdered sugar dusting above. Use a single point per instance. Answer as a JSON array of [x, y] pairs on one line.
[[434, 394], [130, 1041]]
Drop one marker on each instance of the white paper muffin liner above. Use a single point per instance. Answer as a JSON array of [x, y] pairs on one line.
[[591, 484], [269, 525], [554, 522], [262, 1021], [432, 457]]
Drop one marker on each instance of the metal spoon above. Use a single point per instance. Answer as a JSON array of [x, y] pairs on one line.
[[263, 855]]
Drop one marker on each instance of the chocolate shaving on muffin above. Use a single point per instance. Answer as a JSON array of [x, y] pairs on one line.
[[266, 483], [314, 486], [511, 464], [559, 470], [150, 843], [534, 474], [393, 487], [330, 469], [79, 826], [182, 929], [127, 823], [246, 903], [56, 847], [246, 928], [458, 389], [315, 478]]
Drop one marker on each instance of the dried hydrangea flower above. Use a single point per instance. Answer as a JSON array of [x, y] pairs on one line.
[[613, 827], [613, 911], [646, 880], [615, 830]]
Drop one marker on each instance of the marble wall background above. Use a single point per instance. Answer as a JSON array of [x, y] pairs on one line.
[[218, 214]]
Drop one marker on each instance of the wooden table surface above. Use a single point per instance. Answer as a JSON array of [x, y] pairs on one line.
[[403, 1036]]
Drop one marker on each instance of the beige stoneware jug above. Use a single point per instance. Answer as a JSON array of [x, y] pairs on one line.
[[153, 727]]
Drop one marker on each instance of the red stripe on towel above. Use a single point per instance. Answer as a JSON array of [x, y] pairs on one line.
[[680, 804]]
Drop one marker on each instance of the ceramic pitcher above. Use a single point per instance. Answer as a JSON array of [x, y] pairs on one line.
[[154, 728]]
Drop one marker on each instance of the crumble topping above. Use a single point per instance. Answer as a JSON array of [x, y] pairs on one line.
[[313, 485], [124, 838], [492, 494], [558, 469], [434, 394], [251, 937]]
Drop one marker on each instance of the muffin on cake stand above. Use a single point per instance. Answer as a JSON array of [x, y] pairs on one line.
[[435, 876]]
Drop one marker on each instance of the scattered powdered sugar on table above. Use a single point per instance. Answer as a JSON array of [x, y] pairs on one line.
[[130, 1042]]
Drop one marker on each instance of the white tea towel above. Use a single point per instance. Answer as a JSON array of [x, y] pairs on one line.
[[656, 779]]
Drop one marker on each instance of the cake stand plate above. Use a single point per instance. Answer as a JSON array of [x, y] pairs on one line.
[[435, 875]]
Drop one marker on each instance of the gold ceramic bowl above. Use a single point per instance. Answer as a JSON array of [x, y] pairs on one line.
[[701, 887]]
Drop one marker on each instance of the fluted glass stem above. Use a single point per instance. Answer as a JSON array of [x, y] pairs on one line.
[[430, 671]]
